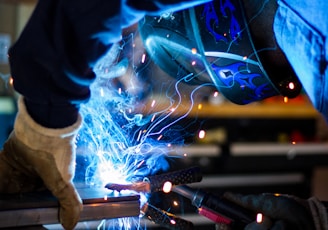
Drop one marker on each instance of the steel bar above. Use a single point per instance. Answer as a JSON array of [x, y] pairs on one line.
[[42, 208]]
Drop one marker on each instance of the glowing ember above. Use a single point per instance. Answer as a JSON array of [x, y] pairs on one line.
[[167, 187], [259, 218], [201, 134], [291, 85]]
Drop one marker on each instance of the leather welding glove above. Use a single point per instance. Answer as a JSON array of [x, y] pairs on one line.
[[283, 212], [35, 156]]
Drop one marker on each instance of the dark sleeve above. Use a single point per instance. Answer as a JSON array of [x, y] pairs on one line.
[[51, 62]]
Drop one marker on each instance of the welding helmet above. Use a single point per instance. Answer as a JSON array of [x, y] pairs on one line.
[[212, 44]]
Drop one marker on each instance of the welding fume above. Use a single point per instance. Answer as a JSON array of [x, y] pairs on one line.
[[247, 50]]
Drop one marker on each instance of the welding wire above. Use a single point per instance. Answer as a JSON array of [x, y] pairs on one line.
[[137, 187], [165, 219]]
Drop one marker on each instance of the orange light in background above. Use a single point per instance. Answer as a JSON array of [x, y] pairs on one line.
[[193, 50]]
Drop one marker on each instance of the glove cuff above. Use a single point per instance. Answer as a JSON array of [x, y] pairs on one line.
[[24, 122], [319, 213], [55, 145]]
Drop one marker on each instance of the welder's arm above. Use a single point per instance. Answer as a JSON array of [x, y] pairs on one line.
[[283, 212], [51, 65]]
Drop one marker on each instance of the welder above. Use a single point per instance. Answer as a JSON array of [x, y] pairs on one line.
[[251, 50], [51, 65]]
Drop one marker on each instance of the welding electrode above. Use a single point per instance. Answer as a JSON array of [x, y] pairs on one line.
[[156, 183], [217, 209]]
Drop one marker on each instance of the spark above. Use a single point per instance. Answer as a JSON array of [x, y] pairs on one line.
[[201, 134], [119, 144], [153, 103], [259, 218], [167, 187], [291, 85], [143, 58]]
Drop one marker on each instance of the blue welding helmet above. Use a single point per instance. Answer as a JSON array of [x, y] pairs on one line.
[[211, 43]]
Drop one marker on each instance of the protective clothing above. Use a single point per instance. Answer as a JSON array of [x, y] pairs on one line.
[[51, 62], [301, 30], [35, 157], [212, 44], [52, 68]]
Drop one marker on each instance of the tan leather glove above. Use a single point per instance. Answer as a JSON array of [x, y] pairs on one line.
[[35, 157]]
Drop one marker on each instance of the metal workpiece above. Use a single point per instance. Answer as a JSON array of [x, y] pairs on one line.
[[40, 208]]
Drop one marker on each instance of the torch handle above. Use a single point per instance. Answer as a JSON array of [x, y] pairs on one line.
[[185, 176], [228, 208], [218, 206]]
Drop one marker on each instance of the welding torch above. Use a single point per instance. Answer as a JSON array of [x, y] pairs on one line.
[[156, 183], [215, 208]]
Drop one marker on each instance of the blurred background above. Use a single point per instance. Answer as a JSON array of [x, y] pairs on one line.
[[278, 145]]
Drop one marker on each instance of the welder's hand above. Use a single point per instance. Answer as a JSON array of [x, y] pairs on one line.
[[35, 157], [283, 212]]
